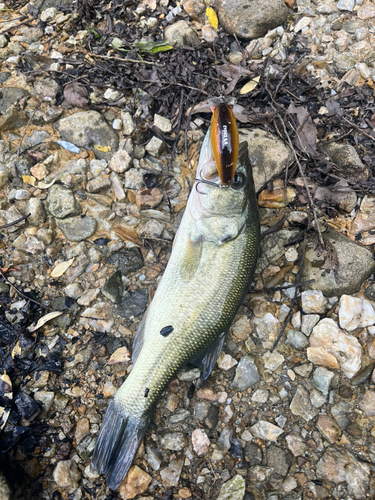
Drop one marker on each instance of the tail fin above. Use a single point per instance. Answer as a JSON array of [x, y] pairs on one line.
[[118, 441]]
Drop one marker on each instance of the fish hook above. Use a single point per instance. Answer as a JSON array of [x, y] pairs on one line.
[[204, 181]]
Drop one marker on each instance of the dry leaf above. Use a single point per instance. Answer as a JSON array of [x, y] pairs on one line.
[[234, 73], [76, 94], [121, 355], [249, 86], [60, 269], [29, 179], [6, 385], [103, 149], [16, 351], [212, 17], [44, 319], [12, 267], [290, 3], [43, 185], [306, 133]]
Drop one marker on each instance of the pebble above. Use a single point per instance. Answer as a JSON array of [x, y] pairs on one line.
[[296, 444], [328, 428], [200, 441], [246, 374], [279, 459], [46, 398], [367, 403], [317, 398], [171, 475], [267, 329], [154, 457], [128, 122], [308, 323], [241, 329], [313, 302], [164, 124], [234, 489], [322, 379], [77, 228], [272, 360], [82, 430], [134, 178], [296, 339], [226, 362], [61, 202], [301, 404], [346, 5], [355, 313], [340, 412], [155, 146], [265, 430], [345, 348], [260, 396], [135, 483], [67, 475], [149, 198], [366, 11], [120, 162], [175, 441], [98, 184]]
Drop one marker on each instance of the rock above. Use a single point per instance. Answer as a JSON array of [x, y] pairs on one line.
[[149, 198], [155, 146], [296, 339], [89, 130], [267, 329], [128, 122], [253, 452], [346, 157], [153, 229], [86, 448], [346, 5], [313, 301], [5, 491], [12, 119], [135, 483], [126, 260], [234, 489], [180, 34], [113, 288], [276, 197], [272, 248], [355, 264], [366, 11], [355, 313], [303, 370], [4, 176], [265, 430], [317, 398], [154, 457], [201, 443], [77, 228], [98, 184], [280, 460], [328, 428], [260, 396], [308, 322], [246, 374], [46, 399], [99, 317], [117, 186], [250, 19], [367, 403], [82, 429], [120, 162], [212, 418], [241, 329], [340, 412], [338, 465], [345, 348], [35, 208], [171, 475], [226, 362], [258, 474], [133, 304], [319, 356], [134, 178], [296, 444], [302, 23], [61, 202], [272, 360], [67, 475], [301, 404], [322, 379], [164, 124], [11, 96], [269, 156]]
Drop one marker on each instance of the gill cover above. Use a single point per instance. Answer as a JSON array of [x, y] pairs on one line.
[[224, 141]]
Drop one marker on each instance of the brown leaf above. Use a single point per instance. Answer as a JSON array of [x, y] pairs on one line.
[[306, 133], [76, 94], [121, 355], [234, 73], [10, 268], [372, 120], [127, 235]]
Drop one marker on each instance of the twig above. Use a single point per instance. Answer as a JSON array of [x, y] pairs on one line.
[[285, 287], [27, 125], [150, 63], [287, 319], [22, 294], [358, 128], [286, 74], [275, 227], [15, 221], [311, 202]]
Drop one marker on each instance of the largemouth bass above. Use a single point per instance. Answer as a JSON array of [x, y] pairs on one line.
[[207, 276]]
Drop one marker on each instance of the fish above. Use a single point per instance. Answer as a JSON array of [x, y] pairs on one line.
[[208, 274], [224, 141]]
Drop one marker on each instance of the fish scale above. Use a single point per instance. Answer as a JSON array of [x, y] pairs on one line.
[[209, 272]]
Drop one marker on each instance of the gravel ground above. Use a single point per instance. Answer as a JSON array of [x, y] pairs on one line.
[[106, 192]]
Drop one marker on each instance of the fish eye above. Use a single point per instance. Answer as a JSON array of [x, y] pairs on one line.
[[238, 180]]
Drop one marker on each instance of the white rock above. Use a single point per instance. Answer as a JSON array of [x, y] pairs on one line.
[[111, 94], [48, 14], [291, 254], [265, 430], [241, 329], [226, 362], [200, 440], [308, 323], [296, 320], [355, 313], [272, 360], [313, 301], [283, 313], [267, 328], [117, 124], [260, 396], [344, 347], [164, 124], [346, 5], [302, 23]]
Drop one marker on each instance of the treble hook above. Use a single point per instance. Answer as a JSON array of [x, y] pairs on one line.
[[204, 181]]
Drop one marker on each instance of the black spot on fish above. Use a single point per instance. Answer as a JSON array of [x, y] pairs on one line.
[[190, 393], [147, 390], [166, 330]]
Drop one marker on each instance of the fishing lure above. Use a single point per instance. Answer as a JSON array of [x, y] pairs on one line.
[[224, 141]]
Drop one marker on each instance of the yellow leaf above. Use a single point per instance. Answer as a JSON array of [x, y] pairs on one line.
[[44, 319], [121, 355], [29, 179], [103, 149], [60, 269], [212, 17], [16, 351], [249, 86]]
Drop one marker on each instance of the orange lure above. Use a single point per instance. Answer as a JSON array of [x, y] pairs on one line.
[[224, 141]]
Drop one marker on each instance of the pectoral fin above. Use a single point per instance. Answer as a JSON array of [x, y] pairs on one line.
[[207, 360], [191, 257]]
